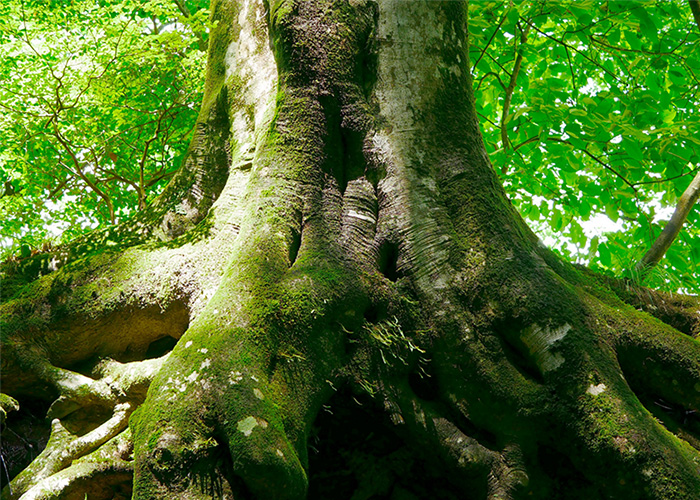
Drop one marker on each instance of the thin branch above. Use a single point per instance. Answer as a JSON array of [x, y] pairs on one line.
[[511, 87], [685, 204], [595, 40], [491, 73], [182, 7], [609, 168], [493, 35], [585, 56], [666, 179], [80, 173]]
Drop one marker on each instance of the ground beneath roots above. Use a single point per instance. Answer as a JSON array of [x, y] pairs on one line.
[[355, 454]]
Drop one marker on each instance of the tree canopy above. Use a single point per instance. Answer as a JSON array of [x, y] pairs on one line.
[[590, 109], [98, 102]]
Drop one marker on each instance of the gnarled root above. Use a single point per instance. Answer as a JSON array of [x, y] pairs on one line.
[[89, 445]]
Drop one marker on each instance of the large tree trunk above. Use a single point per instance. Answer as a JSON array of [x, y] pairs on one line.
[[356, 308]]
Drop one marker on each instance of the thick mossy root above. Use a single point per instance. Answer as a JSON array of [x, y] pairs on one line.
[[493, 474], [206, 424], [7, 405]]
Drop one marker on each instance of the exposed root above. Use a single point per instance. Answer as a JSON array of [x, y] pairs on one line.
[[99, 480], [7, 404], [470, 462], [88, 414], [65, 446]]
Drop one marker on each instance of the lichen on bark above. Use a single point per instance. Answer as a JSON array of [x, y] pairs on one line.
[[337, 241]]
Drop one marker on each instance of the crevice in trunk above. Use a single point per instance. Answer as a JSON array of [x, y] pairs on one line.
[[345, 159], [375, 314], [24, 435], [526, 368], [683, 422], [508, 332], [159, 347], [422, 380], [389, 261], [294, 247]]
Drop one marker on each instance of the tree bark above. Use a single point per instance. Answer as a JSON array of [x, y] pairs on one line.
[[337, 240]]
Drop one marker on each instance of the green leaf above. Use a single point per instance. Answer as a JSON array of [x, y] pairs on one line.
[[633, 149], [612, 213]]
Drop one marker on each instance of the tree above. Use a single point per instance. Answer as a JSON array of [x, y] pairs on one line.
[[338, 240]]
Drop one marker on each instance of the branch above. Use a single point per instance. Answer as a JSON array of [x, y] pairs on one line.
[[201, 42], [695, 9], [500, 23], [511, 88], [611, 169], [668, 235], [80, 173], [564, 44]]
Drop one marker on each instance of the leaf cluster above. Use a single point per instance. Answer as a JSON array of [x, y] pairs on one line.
[[97, 104], [590, 111]]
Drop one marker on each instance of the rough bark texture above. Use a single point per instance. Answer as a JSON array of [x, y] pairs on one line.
[[335, 299]]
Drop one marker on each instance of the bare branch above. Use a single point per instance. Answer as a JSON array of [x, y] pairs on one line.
[[511, 88], [668, 235]]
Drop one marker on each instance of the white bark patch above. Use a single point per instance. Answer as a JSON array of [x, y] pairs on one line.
[[251, 58], [192, 377], [540, 340], [279, 453], [188, 343], [247, 425], [205, 364], [551, 361], [367, 218], [203, 350], [595, 390], [258, 393]]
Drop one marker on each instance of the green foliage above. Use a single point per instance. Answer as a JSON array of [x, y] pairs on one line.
[[97, 104], [98, 99], [604, 123]]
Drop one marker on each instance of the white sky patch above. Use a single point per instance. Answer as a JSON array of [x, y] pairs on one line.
[[599, 224], [591, 88]]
